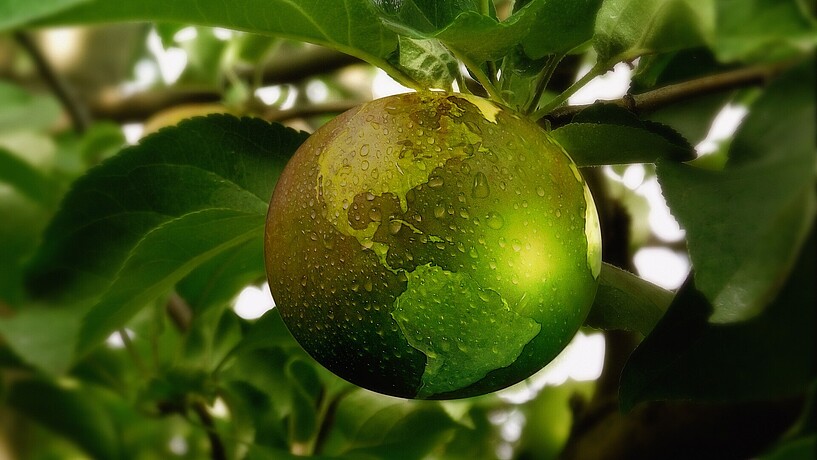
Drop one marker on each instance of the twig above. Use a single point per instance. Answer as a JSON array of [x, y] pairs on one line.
[[651, 101], [134, 354], [217, 450], [180, 312], [544, 78], [327, 417], [80, 117]]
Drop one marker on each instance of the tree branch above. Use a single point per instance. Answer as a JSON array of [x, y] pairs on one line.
[[80, 117], [288, 68], [651, 101], [311, 110]]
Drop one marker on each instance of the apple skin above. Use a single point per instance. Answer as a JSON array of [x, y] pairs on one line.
[[433, 246]]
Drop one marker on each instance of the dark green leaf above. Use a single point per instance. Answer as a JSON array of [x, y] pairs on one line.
[[797, 449], [257, 452], [746, 223], [71, 412], [674, 67], [220, 279], [561, 26], [348, 25], [763, 30], [625, 301], [246, 401], [372, 425], [14, 13], [210, 337], [268, 332], [303, 421], [174, 388], [769, 356], [607, 134], [424, 15], [692, 118], [626, 29], [140, 222], [478, 37]]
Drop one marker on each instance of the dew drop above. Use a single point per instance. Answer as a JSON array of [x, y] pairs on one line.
[[494, 220], [395, 226], [480, 187], [435, 182]]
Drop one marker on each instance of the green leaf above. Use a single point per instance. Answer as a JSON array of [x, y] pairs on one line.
[[69, 411], [625, 301], [45, 347], [746, 223], [18, 239], [14, 13], [549, 419], [220, 279], [769, 356], [520, 78], [349, 26], [141, 221], [21, 110], [626, 29], [796, 449], [424, 15], [26, 178], [763, 30], [257, 452], [605, 134], [561, 26], [475, 36], [369, 425], [428, 62], [306, 388]]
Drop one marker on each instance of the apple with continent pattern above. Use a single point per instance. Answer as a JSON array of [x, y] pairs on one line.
[[432, 245]]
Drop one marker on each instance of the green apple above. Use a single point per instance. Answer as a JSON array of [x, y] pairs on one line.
[[432, 245]]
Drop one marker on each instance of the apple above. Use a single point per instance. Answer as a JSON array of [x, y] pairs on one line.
[[432, 245]]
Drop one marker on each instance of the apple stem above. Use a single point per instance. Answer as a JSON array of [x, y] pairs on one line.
[[598, 69], [544, 78], [480, 75]]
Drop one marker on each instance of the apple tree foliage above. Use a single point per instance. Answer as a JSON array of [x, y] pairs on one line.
[[149, 244]]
